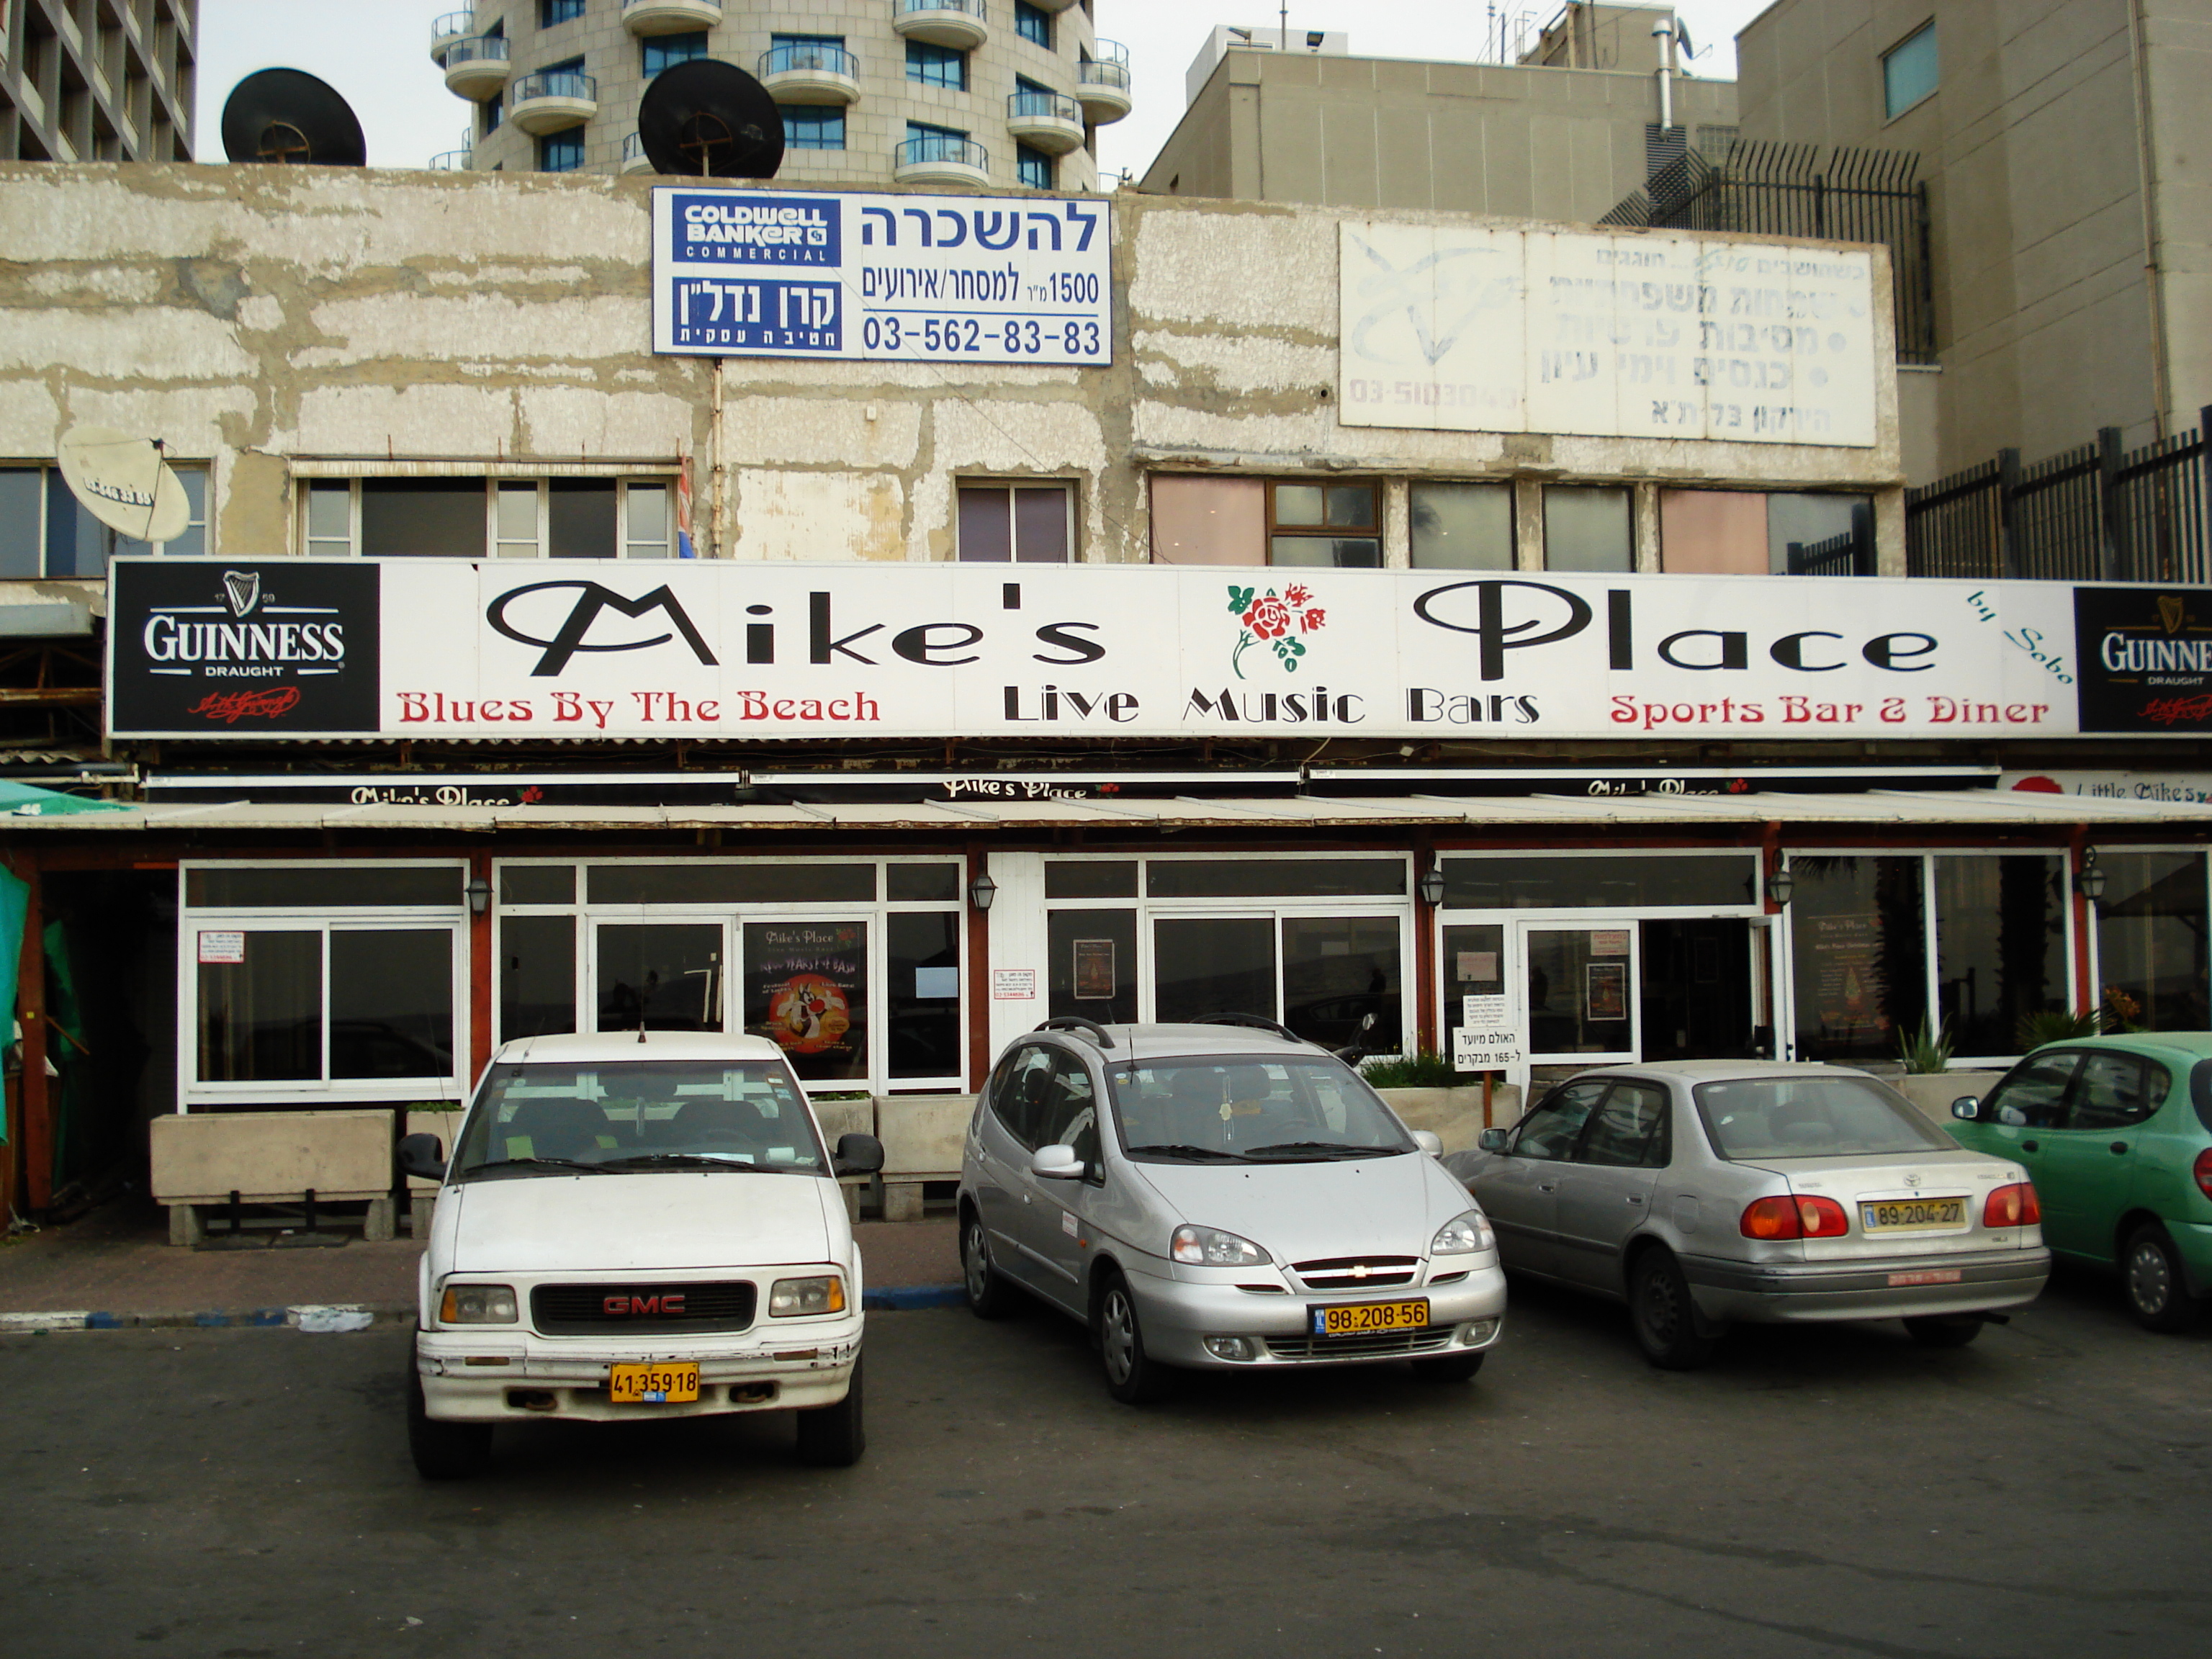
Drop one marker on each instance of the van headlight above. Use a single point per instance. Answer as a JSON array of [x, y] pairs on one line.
[[1209, 1247], [790, 1298], [477, 1304], [1463, 1234]]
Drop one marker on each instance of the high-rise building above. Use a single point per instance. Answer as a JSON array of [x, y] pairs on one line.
[[872, 92], [97, 80]]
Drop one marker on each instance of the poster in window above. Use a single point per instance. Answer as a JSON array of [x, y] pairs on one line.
[[1606, 990], [1094, 969], [1841, 972], [1608, 941], [807, 989]]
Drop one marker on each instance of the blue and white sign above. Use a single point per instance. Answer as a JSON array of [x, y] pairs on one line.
[[968, 279]]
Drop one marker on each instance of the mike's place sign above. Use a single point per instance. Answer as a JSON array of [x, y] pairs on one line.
[[421, 647]]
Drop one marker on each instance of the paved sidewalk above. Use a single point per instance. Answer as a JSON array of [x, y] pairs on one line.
[[117, 1262]]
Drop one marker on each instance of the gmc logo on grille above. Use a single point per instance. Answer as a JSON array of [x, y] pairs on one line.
[[620, 1307]]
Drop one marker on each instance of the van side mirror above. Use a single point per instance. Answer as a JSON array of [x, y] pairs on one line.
[[858, 1154], [1493, 1141], [1967, 1107], [1057, 1163], [422, 1156]]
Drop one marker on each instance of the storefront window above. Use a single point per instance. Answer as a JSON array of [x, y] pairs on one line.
[[537, 884], [391, 1002], [1093, 954], [1617, 881], [2000, 955], [923, 883], [923, 994], [1275, 878], [1213, 966], [1578, 990], [2151, 940], [321, 887], [1339, 975], [1859, 955], [1091, 878], [806, 988], [661, 977], [261, 1006], [1474, 966], [537, 975], [732, 884]]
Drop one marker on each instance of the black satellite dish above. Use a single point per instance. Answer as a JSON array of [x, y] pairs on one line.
[[288, 115], [708, 119]]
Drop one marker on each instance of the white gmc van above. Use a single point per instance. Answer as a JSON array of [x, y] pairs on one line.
[[636, 1225]]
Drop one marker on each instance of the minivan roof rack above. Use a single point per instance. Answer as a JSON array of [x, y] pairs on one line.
[[1256, 1022], [1076, 1023]]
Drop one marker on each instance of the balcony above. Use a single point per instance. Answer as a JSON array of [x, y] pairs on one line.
[[670, 16], [942, 22], [452, 161], [810, 75], [1049, 121], [1054, 5], [633, 156], [1102, 83], [550, 100], [939, 161], [453, 26], [476, 67]]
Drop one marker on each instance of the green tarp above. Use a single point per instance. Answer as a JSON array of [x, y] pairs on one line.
[[22, 800], [15, 900]]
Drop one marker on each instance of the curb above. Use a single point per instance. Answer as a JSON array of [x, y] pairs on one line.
[[310, 1315], [352, 1315]]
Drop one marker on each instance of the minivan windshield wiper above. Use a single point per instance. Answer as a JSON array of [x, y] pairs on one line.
[[1211, 1153], [1319, 1149], [533, 1164], [703, 1161]]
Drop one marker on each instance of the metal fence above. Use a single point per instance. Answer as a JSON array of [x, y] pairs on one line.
[[1791, 190], [2100, 512]]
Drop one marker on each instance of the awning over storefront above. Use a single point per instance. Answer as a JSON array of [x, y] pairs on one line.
[[1971, 809]]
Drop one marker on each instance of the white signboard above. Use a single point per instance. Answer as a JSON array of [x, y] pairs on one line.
[[223, 946], [2169, 788], [965, 279], [1459, 329], [712, 649], [1013, 984]]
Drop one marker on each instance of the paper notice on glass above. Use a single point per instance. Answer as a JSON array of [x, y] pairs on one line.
[[1477, 967], [1609, 941], [222, 947], [935, 984], [1478, 1013]]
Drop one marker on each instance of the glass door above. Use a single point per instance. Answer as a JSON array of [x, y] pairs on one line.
[[659, 975], [1579, 988]]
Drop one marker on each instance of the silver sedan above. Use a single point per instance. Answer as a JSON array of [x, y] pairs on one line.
[[1705, 1193], [1219, 1195]]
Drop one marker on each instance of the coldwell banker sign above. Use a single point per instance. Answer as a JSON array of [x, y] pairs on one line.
[[969, 279], [425, 648]]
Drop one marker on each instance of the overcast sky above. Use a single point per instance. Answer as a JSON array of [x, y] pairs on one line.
[[377, 52]]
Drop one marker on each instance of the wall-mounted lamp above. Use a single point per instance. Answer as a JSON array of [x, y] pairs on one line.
[[983, 890], [479, 892], [1780, 886], [2090, 879], [1431, 887]]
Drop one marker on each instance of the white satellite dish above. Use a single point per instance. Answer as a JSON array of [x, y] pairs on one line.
[[125, 483]]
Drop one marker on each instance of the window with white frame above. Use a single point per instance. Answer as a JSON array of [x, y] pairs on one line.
[[473, 516], [45, 530], [322, 978]]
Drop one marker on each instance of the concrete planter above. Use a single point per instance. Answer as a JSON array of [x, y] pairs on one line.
[[1455, 1115], [343, 1155], [922, 1136], [1934, 1092]]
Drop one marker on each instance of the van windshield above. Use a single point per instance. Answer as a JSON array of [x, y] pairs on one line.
[[1812, 1117], [559, 1120], [1232, 1110]]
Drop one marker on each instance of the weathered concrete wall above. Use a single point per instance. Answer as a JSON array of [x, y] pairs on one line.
[[278, 323]]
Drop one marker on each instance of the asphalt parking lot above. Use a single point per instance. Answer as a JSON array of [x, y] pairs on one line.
[[237, 1493]]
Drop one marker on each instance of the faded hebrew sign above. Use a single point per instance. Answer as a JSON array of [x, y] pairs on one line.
[[967, 279], [1643, 336]]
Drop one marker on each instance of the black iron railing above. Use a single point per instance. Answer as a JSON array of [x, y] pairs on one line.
[[1792, 189], [2100, 512]]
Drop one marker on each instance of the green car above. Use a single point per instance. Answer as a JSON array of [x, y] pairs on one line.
[[2117, 1133]]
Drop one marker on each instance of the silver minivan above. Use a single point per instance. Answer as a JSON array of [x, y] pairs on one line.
[[1220, 1195]]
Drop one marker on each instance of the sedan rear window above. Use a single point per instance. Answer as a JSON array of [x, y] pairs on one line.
[[558, 1120], [1811, 1117], [1233, 1110]]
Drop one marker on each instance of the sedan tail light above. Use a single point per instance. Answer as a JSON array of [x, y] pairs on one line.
[[1794, 1217], [2014, 1205], [2203, 1170]]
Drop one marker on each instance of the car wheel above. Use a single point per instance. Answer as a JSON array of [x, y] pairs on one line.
[[834, 1436], [1944, 1331], [443, 1451], [989, 1296], [1664, 1317], [1132, 1376], [1446, 1368], [2150, 1274]]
